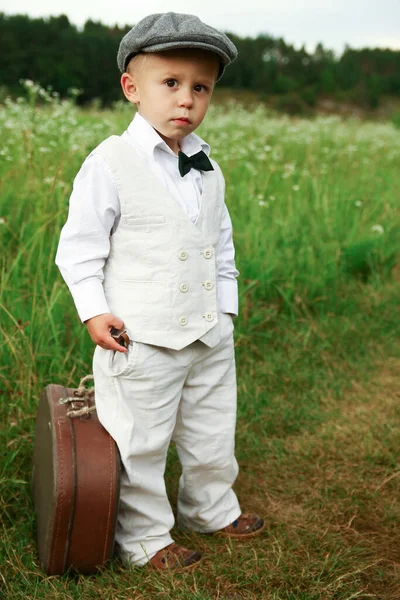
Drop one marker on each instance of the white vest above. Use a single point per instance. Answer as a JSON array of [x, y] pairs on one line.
[[160, 275]]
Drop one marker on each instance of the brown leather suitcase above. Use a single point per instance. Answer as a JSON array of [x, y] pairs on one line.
[[75, 481]]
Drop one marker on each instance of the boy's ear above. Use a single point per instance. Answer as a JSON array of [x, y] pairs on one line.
[[129, 87]]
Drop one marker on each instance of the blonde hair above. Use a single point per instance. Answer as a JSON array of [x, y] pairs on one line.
[[137, 63]]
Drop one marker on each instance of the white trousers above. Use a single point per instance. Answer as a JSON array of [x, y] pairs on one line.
[[149, 396]]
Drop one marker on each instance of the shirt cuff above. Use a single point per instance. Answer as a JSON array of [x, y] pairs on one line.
[[89, 298], [227, 297]]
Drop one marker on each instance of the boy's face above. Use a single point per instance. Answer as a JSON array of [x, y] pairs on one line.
[[172, 90]]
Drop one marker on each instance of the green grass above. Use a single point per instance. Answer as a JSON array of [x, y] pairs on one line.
[[314, 205]]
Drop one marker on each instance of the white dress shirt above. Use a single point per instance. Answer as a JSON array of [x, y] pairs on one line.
[[94, 214]]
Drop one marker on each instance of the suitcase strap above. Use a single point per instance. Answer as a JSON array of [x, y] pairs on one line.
[[82, 402]]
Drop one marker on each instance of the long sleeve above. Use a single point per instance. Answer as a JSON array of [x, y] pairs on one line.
[[84, 242], [227, 288]]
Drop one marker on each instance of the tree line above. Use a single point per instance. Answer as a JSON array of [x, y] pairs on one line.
[[54, 52]]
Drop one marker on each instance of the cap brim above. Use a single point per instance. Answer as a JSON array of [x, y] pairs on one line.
[[183, 44]]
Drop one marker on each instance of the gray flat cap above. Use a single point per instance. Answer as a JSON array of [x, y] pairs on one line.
[[166, 31]]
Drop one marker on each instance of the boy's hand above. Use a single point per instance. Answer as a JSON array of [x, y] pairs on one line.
[[99, 330]]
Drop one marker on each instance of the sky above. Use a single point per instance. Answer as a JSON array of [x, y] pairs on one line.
[[359, 23]]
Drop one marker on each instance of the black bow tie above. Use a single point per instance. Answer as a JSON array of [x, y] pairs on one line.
[[197, 161]]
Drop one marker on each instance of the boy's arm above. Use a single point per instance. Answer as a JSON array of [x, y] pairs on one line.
[[227, 288], [84, 245]]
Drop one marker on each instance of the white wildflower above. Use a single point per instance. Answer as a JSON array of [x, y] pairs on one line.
[[296, 188], [378, 228], [358, 203]]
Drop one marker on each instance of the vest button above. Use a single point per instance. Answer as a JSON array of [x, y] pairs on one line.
[[207, 253], [182, 320], [208, 284], [182, 255], [184, 287], [209, 316]]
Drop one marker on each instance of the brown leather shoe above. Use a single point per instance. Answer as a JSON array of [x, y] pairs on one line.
[[246, 526], [175, 557]]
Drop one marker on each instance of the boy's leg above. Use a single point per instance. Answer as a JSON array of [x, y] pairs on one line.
[[137, 397], [205, 436]]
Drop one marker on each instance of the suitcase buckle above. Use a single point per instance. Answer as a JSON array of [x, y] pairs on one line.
[[82, 402]]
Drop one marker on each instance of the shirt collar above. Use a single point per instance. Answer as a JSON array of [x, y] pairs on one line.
[[142, 133]]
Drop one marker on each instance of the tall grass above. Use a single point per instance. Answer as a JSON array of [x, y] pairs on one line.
[[314, 205]]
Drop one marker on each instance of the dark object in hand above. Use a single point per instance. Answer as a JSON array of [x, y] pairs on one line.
[[120, 336]]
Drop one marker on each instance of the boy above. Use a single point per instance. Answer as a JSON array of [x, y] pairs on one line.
[[148, 247]]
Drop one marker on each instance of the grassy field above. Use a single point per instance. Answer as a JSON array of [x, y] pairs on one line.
[[315, 210]]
